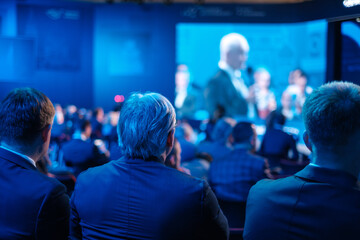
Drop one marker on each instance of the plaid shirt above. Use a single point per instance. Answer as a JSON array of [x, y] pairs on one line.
[[232, 176]]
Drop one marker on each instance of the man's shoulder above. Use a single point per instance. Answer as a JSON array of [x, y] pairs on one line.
[[278, 186], [245, 156], [94, 172], [219, 77], [49, 183], [76, 143], [34, 183]]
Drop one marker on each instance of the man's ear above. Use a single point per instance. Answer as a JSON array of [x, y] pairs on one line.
[[307, 141], [231, 139], [46, 133], [170, 139]]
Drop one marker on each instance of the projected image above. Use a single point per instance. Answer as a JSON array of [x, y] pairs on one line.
[[270, 66]]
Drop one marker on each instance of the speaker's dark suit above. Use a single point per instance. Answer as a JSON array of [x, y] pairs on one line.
[[220, 91], [316, 203], [32, 205], [137, 199]]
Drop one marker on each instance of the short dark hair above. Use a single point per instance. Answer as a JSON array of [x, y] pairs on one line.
[[242, 132], [84, 124], [23, 114], [332, 113]]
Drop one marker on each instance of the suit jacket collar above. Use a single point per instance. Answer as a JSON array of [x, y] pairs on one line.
[[14, 158], [140, 161], [326, 175]]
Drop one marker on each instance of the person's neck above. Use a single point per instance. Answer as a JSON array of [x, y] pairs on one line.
[[22, 150], [335, 160], [246, 146]]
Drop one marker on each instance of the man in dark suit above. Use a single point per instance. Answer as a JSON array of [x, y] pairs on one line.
[[321, 201], [227, 88], [80, 152], [137, 196], [32, 205]]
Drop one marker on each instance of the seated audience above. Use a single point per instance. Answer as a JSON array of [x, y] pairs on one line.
[[173, 160], [321, 201], [219, 144], [276, 144], [261, 95], [199, 166], [184, 133], [287, 106], [80, 153], [33, 206], [97, 123], [137, 196], [298, 91], [232, 176]]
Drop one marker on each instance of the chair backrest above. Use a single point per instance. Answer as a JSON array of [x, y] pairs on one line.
[[234, 212], [236, 233]]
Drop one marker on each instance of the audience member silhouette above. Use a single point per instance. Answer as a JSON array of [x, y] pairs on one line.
[[232, 176], [137, 196], [276, 144], [33, 206], [219, 145], [80, 152], [321, 201]]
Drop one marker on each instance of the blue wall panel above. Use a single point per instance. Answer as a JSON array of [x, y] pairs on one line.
[[134, 50], [63, 51]]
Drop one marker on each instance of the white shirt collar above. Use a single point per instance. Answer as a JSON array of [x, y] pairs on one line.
[[21, 155], [235, 76], [234, 73]]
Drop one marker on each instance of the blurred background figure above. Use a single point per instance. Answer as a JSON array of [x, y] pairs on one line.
[[185, 136], [80, 152], [173, 160], [261, 97], [110, 132], [71, 119], [277, 145], [200, 165], [188, 96], [97, 122], [298, 90], [227, 88], [232, 176], [219, 145], [59, 127], [287, 106]]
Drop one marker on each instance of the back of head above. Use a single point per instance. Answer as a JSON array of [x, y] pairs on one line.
[[243, 132], [23, 114], [275, 118], [84, 124], [222, 130], [144, 125], [332, 114]]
